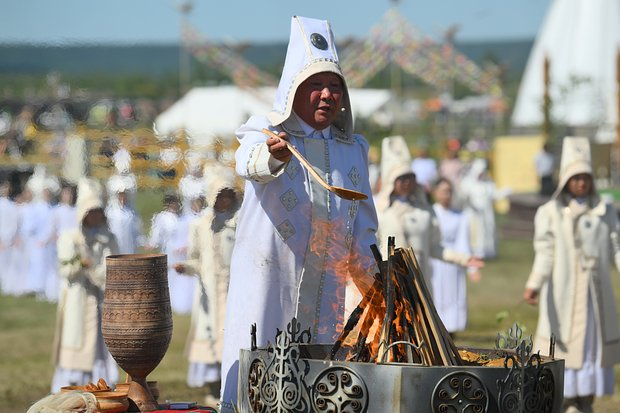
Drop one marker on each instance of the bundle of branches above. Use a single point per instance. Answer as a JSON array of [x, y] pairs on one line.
[[396, 321]]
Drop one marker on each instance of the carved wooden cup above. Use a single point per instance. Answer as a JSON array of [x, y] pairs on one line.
[[137, 319]]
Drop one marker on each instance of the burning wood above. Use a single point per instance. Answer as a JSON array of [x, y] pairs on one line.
[[396, 321]]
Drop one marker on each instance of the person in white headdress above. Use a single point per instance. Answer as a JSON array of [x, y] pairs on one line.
[[576, 241], [211, 241], [478, 193], [123, 220], [191, 185], [79, 352], [40, 237], [280, 266], [406, 215]]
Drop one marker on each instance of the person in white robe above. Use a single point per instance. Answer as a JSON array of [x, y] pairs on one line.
[[169, 236], [9, 227], [39, 231], [19, 263], [63, 218], [576, 242], [79, 352], [123, 220], [65, 212], [405, 215], [288, 223], [182, 288], [449, 287], [478, 193], [191, 185], [211, 242]]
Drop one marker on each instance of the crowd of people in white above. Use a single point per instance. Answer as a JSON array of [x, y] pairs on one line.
[[455, 202]]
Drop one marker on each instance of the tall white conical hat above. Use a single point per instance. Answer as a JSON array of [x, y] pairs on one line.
[[576, 159], [311, 50], [89, 197]]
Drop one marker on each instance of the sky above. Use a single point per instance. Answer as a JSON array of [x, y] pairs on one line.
[[63, 22]]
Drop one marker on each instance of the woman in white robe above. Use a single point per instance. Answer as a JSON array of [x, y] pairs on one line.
[[211, 242], [19, 263], [405, 215], [182, 288], [288, 223], [479, 193], [64, 218], [9, 227], [169, 234], [576, 242], [79, 352], [123, 220], [41, 240], [449, 280]]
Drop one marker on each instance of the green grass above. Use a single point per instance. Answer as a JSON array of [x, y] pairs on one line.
[[27, 330]]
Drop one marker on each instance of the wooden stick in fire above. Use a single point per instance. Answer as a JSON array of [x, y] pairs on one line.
[[388, 285]]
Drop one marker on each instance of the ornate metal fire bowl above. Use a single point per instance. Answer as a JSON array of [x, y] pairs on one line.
[[292, 375]]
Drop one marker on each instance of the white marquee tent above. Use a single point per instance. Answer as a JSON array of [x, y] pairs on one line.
[[210, 113], [581, 39]]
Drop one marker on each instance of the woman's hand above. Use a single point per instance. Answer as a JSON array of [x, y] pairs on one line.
[[475, 263], [530, 296], [277, 148]]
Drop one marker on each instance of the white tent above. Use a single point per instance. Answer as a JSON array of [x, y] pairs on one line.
[[210, 113], [581, 39]]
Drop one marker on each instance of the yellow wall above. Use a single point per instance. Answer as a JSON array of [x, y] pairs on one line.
[[512, 165], [513, 162]]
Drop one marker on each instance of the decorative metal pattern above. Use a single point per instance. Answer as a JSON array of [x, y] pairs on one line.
[[280, 385], [339, 390], [514, 340], [529, 387], [460, 392], [255, 377]]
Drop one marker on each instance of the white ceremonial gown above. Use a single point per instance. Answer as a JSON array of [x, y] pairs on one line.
[[170, 233], [449, 281], [40, 244], [182, 287], [292, 236], [9, 227], [64, 218], [126, 225]]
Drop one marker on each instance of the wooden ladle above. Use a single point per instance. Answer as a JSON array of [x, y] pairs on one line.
[[341, 192]]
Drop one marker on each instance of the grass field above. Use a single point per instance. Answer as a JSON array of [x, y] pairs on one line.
[[26, 334]]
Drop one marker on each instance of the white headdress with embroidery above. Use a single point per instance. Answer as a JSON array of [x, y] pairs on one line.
[[311, 50]]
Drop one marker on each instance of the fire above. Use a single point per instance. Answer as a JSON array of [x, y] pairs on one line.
[[352, 269], [396, 321]]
